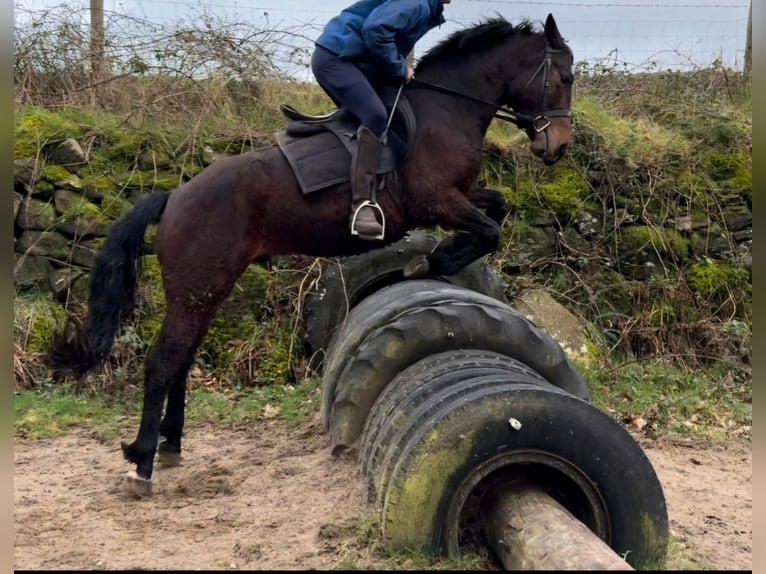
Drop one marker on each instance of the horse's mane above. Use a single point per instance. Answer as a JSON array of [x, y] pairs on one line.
[[477, 38]]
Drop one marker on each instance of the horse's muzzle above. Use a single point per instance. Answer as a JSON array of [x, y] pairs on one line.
[[550, 158]]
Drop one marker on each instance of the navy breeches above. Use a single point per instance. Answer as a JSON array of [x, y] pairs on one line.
[[349, 87]]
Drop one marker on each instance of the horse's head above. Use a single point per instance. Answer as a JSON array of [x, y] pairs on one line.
[[542, 98], [499, 65]]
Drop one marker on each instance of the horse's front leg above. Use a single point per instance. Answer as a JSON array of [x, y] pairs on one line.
[[477, 235], [491, 201]]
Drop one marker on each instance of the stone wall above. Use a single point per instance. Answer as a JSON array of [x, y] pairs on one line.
[[58, 224], [581, 220]]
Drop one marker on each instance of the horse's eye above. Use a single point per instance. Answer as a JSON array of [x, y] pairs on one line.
[[566, 79]]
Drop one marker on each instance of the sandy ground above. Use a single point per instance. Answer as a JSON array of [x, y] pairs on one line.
[[274, 498]]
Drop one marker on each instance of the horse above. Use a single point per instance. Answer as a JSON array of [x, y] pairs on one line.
[[244, 209]]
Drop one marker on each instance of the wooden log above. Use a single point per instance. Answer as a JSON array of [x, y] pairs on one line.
[[529, 530]]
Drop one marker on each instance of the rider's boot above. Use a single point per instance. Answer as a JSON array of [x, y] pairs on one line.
[[364, 164]]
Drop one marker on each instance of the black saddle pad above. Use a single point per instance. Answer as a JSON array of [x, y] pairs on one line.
[[319, 152]]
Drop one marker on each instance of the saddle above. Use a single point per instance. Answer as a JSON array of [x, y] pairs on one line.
[[319, 147]]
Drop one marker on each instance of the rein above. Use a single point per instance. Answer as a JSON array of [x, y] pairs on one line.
[[506, 113]]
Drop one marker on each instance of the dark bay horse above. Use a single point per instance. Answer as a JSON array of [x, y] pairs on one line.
[[249, 207]]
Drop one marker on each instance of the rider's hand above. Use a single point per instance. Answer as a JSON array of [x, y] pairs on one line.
[[410, 74]]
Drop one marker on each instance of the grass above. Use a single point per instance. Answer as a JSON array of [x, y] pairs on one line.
[[712, 404], [41, 415], [293, 404], [51, 412], [679, 558], [359, 543]]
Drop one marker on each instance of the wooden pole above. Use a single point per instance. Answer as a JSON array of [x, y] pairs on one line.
[[529, 530], [96, 38]]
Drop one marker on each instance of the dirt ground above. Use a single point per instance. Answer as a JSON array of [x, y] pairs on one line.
[[275, 498]]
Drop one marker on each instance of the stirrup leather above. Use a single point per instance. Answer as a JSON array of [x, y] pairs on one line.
[[369, 203]]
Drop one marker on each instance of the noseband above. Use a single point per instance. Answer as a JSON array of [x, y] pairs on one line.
[[523, 121]]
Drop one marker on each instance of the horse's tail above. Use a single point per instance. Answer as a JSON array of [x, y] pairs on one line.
[[112, 290]]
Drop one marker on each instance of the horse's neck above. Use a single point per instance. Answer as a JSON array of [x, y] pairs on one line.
[[451, 111]]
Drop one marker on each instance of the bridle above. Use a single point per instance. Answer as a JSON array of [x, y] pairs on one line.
[[538, 122]]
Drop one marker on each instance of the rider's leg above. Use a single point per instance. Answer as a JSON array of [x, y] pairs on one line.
[[349, 87]]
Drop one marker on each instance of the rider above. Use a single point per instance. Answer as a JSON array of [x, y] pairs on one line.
[[359, 50]]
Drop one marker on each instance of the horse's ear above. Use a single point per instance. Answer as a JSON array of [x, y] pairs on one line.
[[552, 33]]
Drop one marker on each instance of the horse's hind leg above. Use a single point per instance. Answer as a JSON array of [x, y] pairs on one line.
[[172, 425], [190, 311]]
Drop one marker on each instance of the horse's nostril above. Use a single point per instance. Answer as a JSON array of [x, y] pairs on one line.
[[562, 150]]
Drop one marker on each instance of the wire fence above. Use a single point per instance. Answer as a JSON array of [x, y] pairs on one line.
[[235, 44], [636, 35]]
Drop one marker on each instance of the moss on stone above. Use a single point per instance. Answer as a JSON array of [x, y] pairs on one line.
[[25, 148], [732, 170], [663, 298], [100, 165], [694, 165], [97, 184], [710, 278], [113, 206], [36, 127], [504, 138], [126, 146], [691, 181], [565, 193], [637, 142], [665, 241], [45, 187], [273, 359], [720, 126], [37, 317], [616, 294], [30, 271], [511, 196], [55, 173], [241, 345], [81, 206], [161, 181], [147, 146], [522, 243], [82, 218]]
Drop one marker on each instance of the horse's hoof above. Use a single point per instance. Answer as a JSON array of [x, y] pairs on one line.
[[417, 267], [138, 486], [168, 458]]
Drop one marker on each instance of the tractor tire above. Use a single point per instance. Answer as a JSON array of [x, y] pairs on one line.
[[409, 390], [422, 331], [379, 309], [349, 280], [479, 432]]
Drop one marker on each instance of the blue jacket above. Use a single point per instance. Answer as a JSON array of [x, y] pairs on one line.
[[381, 32]]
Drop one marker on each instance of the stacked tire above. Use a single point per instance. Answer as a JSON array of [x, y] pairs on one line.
[[447, 392], [345, 282]]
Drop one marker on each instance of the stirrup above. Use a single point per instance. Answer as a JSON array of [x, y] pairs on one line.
[[367, 203]]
